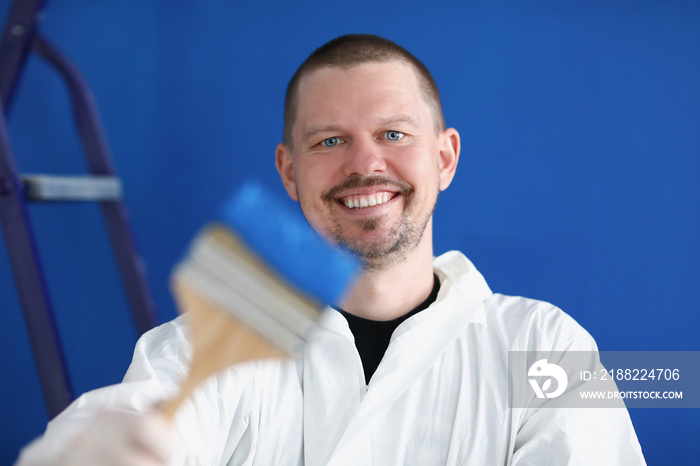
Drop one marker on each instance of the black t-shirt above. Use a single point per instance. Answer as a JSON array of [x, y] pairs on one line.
[[372, 336]]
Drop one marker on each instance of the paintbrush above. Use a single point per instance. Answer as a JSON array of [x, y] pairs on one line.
[[253, 285]]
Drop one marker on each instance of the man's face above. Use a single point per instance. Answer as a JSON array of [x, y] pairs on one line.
[[367, 163]]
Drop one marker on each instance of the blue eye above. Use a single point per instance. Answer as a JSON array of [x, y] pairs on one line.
[[330, 142], [394, 135]]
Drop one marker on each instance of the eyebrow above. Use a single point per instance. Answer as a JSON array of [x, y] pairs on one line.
[[398, 119], [314, 131]]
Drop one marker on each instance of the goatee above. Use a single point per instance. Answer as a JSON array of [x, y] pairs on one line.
[[391, 248]]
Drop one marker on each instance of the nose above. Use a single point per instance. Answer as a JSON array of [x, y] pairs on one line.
[[364, 158]]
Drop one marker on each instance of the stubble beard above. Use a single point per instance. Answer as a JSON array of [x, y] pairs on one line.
[[384, 252], [392, 248]]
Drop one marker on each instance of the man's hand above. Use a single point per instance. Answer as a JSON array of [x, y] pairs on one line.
[[110, 438]]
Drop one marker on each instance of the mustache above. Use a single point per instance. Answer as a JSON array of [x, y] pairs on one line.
[[366, 182]]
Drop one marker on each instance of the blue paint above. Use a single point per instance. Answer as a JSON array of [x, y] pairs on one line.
[[283, 239]]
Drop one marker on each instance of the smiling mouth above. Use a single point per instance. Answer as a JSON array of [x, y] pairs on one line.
[[366, 192], [366, 200]]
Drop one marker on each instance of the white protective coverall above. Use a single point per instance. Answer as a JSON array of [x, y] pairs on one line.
[[439, 396]]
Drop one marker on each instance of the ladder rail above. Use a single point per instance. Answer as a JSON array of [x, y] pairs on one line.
[[15, 43], [99, 162], [30, 282], [31, 285]]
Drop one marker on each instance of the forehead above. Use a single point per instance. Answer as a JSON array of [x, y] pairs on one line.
[[336, 95]]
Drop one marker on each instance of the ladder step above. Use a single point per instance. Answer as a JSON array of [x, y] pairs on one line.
[[71, 188]]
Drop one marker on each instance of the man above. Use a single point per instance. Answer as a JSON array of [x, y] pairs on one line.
[[412, 366]]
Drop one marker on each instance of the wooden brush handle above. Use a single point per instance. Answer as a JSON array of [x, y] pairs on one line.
[[218, 339]]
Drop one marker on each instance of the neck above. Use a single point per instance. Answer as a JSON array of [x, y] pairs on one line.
[[388, 293]]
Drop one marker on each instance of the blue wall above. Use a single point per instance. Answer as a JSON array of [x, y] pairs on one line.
[[579, 181]]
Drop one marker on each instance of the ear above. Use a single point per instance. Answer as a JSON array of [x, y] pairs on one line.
[[285, 167], [449, 156]]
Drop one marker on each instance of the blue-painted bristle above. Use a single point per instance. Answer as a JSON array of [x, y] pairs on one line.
[[282, 238]]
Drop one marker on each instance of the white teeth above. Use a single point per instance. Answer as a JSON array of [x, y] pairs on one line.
[[366, 201]]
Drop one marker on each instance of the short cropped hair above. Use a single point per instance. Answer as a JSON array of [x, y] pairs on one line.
[[352, 50]]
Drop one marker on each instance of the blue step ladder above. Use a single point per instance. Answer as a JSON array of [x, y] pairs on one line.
[[20, 37]]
